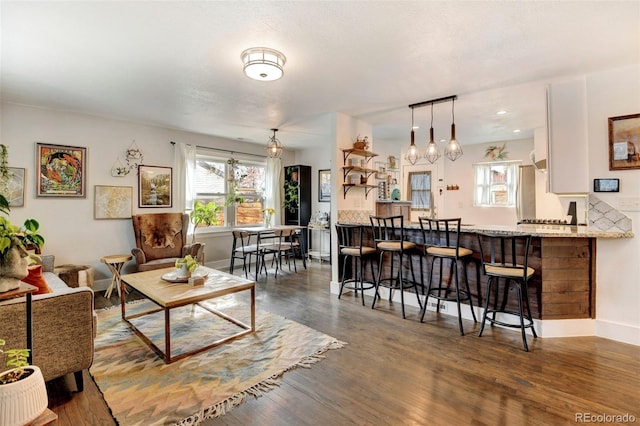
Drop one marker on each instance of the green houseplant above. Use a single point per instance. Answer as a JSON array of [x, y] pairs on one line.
[[290, 201], [203, 214]]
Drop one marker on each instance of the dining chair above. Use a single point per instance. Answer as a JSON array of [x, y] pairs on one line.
[[241, 249]]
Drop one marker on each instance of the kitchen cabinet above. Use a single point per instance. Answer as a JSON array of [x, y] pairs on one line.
[[567, 161], [356, 170]]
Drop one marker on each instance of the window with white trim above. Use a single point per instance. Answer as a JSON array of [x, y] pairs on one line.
[[236, 185], [420, 190], [495, 184]]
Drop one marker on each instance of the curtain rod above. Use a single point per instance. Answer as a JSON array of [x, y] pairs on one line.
[[225, 150]]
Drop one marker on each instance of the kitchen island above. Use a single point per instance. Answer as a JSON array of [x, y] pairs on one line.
[[563, 256]]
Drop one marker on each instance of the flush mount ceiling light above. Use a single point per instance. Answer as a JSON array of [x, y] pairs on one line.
[[433, 153], [263, 64], [412, 153], [274, 147]]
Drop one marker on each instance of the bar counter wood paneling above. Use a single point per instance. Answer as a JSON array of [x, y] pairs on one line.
[[564, 258]]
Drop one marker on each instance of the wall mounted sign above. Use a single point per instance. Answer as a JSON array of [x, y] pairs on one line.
[[60, 170]]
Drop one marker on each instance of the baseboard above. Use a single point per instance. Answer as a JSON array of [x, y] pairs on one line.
[[619, 332]]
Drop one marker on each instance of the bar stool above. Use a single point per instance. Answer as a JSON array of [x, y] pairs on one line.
[[507, 258], [388, 235], [350, 246], [440, 244]]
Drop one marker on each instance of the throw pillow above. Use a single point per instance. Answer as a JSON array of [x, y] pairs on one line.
[[35, 278]]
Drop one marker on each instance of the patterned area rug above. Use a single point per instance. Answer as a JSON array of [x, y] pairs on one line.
[[140, 389]]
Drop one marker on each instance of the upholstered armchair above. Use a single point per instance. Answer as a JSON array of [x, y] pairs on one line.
[[161, 238]]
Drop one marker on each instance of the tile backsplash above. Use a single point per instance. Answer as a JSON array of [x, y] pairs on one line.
[[354, 216], [606, 218]]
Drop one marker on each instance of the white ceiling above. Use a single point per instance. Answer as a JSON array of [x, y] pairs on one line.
[[177, 64]]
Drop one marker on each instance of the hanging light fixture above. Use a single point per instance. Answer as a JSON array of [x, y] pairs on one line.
[[433, 153], [274, 147], [412, 153], [263, 64], [453, 151]]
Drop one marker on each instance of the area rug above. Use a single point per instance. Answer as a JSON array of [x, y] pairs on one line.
[[140, 389]]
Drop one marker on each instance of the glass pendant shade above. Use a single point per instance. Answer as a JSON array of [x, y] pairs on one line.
[[263, 64], [453, 151], [433, 153], [274, 147]]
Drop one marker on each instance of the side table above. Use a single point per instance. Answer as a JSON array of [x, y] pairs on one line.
[[24, 289], [115, 263]]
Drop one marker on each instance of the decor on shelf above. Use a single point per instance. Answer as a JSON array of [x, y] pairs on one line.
[[496, 152], [112, 202], [324, 185], [154, 186], [361, 144], [453, 151], [412, 153], [23, 393], [290, 201], [263, 64], [61, 170], [624, 142], [274, 147], [433, 153], [203, 214]]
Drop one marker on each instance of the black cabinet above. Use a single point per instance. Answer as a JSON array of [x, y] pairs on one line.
[[297, 195]]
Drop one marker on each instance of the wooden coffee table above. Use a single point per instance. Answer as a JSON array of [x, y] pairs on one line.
[[169, 295]]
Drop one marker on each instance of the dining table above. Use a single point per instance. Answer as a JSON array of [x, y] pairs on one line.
[[263, 233]]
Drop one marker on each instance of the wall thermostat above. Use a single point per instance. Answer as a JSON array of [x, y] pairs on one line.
[[606, 185]]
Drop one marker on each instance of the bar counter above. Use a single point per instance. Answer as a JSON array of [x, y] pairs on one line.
[[563, 256]]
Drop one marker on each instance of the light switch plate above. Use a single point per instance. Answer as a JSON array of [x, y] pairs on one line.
[[629, 204]]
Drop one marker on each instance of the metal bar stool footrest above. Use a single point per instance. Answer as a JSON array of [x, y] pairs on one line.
[[528, 323]]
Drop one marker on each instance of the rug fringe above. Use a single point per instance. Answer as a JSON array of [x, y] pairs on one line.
[[257, 390]]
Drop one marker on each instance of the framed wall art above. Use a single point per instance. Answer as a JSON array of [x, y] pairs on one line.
[[14, 190], [60, 170], [324, 185], [624, 142], [154, 186], [112, 202]]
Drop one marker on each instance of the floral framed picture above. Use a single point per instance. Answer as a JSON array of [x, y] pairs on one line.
[[60, 171], [112, 202], [154, 186], [324, 185], [14, 187], [624, 142]]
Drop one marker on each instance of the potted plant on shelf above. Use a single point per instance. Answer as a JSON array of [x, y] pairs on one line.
[[290, 201], [23, 394]]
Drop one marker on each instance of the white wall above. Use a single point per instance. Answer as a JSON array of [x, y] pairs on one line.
[[67, 224], [609, 94]]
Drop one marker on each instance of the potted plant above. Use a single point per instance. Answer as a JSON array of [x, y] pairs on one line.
[[186, 265], [203, 214], [290, 201], [14, 242], [23, 393]]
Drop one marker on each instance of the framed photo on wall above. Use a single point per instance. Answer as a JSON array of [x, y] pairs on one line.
[[324, 185], [60, 170], [154, 186], [14, 190], [624, 142], [112, 202]]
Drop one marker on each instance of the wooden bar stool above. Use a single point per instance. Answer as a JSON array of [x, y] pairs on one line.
[[507, 257], [441, 244], [388, 235], [350, 245]]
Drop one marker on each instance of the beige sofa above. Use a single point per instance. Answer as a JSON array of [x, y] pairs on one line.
[[64, 327]]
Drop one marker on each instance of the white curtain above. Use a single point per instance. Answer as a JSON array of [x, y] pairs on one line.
[[272, 188], [186, 173]]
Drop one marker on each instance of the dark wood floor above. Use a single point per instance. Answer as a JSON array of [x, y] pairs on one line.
[[399, 372]]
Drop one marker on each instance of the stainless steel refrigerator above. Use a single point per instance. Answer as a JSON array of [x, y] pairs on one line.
[[526, 193]]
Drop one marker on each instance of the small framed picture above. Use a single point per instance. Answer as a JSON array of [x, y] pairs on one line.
[[155, 186], [15, 186], [60, 170], [624, 142], [324, 185], [112, 202]]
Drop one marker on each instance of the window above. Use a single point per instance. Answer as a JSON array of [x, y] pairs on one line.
[[240, 184], [495, 184], [420, 190]]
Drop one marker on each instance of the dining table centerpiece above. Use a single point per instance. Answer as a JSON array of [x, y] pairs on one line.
[[268, 215]]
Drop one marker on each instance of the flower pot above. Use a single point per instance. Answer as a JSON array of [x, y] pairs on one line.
[[183, 272], [23, 401]]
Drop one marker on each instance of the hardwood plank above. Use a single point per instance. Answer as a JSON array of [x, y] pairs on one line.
[[395, 371]]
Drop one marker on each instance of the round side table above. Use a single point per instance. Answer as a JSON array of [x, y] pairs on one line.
[[115, 263]]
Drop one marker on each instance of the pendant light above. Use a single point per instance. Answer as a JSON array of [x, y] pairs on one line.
[[274, 147], [412, 153], [453, 151], [433, 153]]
